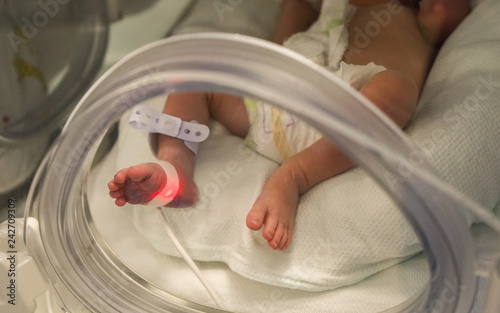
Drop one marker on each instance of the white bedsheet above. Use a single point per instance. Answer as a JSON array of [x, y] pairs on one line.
[[377, 293]]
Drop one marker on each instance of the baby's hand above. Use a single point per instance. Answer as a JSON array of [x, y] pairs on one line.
[[137, 184]]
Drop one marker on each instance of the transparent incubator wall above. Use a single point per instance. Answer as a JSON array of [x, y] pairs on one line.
[[51, 53], [86, 274]]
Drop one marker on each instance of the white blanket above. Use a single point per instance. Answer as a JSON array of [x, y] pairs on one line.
[[336, 239], [347, 228], [374, 294]]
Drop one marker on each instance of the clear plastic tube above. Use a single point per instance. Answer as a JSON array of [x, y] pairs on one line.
[[251, 67], [190, 262]]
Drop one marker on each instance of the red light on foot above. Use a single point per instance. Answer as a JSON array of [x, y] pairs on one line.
[[168, 193]]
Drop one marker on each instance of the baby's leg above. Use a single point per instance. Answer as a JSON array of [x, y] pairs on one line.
[[394, 93], [229, 110], [438, 18], [139, 184], [275, 209], [276, 206]]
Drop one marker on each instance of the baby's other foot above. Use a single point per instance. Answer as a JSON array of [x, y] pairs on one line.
[[137, 184], [439, 18], [275, 209]]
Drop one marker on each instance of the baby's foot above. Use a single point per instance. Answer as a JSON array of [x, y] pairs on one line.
[[439, 18], [275, 208], [137, 184]]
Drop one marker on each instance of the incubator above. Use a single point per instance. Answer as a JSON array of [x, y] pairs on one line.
[[94, 257], [45, 79]]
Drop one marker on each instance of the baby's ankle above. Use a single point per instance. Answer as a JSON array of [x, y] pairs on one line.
[[175, 151], [293, 173]]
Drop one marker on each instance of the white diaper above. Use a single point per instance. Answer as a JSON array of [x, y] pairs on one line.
[[277, 134], [327, 38]]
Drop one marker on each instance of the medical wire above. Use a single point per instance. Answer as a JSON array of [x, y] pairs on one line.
[[190, 261]]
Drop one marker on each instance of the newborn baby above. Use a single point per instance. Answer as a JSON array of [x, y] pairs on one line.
[[395, 42]]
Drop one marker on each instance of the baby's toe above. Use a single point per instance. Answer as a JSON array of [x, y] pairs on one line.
[[256, 216], [270, 227], [113, 185], [120, 176], [277, 238], [116, 193], [284, 240], [121, 201]]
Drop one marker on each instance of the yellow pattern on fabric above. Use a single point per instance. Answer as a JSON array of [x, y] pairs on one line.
[[24, 69], [252, 113], [250, 103], [279, 135]]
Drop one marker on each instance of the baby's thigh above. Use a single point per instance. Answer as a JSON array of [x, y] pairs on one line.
[[231, 112]]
